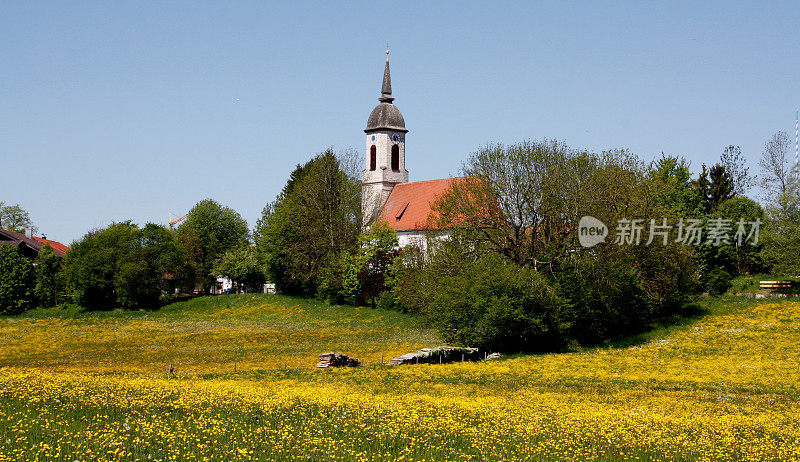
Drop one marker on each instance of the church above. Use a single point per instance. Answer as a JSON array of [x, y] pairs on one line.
[[387, 194]]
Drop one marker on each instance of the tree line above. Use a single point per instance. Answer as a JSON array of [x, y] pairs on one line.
[[502, 267]]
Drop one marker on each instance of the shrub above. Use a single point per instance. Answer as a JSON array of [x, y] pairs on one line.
[[495, 305], [16, 281], [719, 282], [617, 290]]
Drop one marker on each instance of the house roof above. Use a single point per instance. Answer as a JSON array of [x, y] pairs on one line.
[[59, 248], [409, 204], [35, 244]]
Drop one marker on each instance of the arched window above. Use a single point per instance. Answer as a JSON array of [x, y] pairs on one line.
[[395, 157], [372, 157]]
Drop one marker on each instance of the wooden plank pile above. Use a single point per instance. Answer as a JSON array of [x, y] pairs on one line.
[[336, 360], [437, 355]]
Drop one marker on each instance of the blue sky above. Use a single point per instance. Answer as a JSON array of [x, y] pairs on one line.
[[126, 110]]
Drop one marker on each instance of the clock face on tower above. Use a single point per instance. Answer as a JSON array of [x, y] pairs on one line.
[[373, 138], [396, 138]]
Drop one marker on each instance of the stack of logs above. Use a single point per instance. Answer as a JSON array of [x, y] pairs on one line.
[[336, 360]]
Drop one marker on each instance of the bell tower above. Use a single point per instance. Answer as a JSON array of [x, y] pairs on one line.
[[386, 151]]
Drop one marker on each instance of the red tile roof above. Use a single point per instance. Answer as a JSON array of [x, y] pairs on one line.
[[35, 244], [409, 204], [59, 248]]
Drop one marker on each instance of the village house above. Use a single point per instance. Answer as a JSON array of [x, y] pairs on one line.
[[29, 244]]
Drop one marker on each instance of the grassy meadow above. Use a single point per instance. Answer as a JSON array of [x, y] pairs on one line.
[[92, 386]]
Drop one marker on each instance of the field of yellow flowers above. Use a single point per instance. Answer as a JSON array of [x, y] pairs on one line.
[[82, 386]]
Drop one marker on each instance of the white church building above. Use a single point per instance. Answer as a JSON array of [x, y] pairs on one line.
[[387, 194]]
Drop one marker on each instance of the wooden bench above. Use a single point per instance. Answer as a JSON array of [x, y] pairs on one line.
[[776, 285]]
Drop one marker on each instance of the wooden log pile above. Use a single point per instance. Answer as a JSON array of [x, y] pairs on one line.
[[336, 360]]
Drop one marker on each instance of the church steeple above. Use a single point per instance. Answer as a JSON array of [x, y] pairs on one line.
[[386, 150], [386, 89]]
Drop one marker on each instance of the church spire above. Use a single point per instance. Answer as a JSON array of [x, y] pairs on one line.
[[386, 89]]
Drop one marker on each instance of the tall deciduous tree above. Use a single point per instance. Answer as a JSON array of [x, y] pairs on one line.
[[121, 265], [783, 189], [524, 201], [736, 166], [672, 178], [209, 231], [315, 218], [15, 218]]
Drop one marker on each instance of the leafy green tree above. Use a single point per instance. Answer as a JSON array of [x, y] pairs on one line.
[[719, 282], [48, 281], [91, 264], [15, 218], [140, 279], [121, 265], [714, 186], [359, 277], [747, 255], [675, 194], [17, 279], [513, 200], [316, 217], [781, 250], [209, 231], [242, 267]]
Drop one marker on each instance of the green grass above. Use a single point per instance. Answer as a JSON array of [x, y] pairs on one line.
[[719, 384], [208, 334]]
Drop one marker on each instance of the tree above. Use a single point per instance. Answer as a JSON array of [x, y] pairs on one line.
[[748, 256], [735, 164], [513, 200], [242, 267], [16, 281], [360, 276], [675, 194], [781, 186], [714, 186], [782, 236], [523, 204], [15, 218], [121, 265], [209, 230], [314, 219], [140, 278], [776, 178], [721, 187], [48, 283]]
